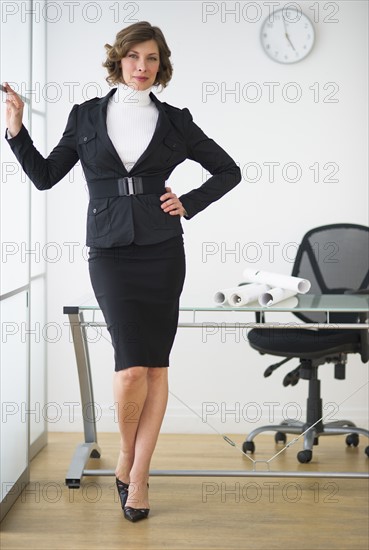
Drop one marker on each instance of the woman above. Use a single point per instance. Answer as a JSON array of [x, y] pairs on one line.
[[128, 143]]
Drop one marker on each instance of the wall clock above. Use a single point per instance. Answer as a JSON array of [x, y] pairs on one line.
[[287, 35]]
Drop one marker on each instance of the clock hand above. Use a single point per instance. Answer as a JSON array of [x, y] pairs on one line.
[[288, 38], [286, 33]]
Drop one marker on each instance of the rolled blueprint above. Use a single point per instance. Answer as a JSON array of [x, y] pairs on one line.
[[275, 295], [286, 282], [221, 297], [246, 294]]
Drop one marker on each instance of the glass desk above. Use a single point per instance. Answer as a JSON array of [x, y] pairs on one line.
[[85, 315]]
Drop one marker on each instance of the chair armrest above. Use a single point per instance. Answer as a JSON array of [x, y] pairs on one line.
[[260, 316]]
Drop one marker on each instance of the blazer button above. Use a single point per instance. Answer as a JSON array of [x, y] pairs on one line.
[[94, 210], [85, 139]]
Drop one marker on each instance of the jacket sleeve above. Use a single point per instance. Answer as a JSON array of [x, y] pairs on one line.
[[225, 174], [45, 173]]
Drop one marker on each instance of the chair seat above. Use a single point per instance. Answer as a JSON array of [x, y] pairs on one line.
[[304, 343]]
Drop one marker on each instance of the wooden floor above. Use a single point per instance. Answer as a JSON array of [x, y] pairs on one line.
[[192, 512]]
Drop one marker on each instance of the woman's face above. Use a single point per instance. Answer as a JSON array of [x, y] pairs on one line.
[[141, 64]]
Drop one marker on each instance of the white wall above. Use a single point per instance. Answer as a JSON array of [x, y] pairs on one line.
[[227, 54]]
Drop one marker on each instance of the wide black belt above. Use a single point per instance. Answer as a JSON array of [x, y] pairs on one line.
[[122, 187]]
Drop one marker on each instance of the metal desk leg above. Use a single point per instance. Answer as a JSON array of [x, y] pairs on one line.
[[90, 447], [80, 458]]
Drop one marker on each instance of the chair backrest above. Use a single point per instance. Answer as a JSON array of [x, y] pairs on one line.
[[335, 259]]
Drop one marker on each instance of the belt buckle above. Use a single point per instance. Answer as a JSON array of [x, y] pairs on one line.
[[130, 186]]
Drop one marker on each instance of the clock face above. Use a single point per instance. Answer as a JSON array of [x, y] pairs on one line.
[[287, 35]]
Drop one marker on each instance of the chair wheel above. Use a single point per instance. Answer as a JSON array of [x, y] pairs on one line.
[[248, 447], [280, 437], [304, 456], [352, 440], [367, 451]]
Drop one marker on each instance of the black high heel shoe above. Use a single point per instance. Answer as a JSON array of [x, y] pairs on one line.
[[122, 491], [135, 514]]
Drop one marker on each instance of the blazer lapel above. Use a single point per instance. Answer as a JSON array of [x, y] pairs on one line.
[[161, 129], [102, 130]]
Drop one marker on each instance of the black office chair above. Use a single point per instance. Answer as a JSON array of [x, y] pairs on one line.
[[334, 258]]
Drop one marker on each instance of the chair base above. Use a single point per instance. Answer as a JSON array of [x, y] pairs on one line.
[[313, 427], [311, 436]]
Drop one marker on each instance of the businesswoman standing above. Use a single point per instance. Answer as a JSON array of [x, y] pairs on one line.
[[128, 143]]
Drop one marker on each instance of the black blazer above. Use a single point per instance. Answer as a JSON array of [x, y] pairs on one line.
[[121, 220]]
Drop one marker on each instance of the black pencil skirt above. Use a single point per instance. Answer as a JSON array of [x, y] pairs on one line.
[[138, 288]]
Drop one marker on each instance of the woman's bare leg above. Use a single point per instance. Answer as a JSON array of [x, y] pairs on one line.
[[147, 435], [141, 396], [130, 391]]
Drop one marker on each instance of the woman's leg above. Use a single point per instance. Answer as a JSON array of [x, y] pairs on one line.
[[147, 435], [141, 396], [130, 390]]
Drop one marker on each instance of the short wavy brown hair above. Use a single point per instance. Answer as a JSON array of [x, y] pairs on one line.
[[124, 41]]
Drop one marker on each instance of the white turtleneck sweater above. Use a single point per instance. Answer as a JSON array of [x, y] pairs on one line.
[[131, 120]]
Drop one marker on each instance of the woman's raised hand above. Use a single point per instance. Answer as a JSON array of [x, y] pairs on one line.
[[14, 110]]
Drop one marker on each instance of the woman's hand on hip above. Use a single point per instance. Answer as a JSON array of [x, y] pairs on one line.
[[172, 205], [14, 110]]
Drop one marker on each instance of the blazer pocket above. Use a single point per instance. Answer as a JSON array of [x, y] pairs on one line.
[[172, 148], [88, 145], [98, 218]]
